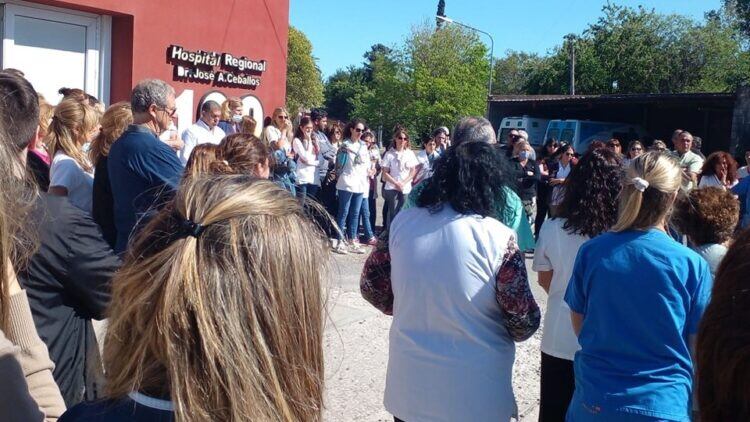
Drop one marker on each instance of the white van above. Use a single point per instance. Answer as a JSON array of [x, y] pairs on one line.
[[581, 133], [534, 126]]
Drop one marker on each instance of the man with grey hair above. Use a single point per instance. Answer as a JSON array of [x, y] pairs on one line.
[[473, 129], [143, 171], [204, 131]]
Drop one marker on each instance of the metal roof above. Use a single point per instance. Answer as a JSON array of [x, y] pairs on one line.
[[720, 96]]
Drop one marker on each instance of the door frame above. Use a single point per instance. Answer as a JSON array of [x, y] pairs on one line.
[[98, 39]]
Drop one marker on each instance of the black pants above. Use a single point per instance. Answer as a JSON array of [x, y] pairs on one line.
[[542, 208], [558, 383], [394, 201]]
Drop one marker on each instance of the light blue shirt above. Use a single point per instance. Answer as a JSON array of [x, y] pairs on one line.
[[642, 296]]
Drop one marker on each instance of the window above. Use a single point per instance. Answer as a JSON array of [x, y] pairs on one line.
[[57, 48], [567, 135]]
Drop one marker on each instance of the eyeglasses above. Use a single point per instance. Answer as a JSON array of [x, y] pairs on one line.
[[170, 112], [358, 130]]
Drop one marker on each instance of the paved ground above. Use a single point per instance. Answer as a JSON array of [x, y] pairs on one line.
[[356, 348]]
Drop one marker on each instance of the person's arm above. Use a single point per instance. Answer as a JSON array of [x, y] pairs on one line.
[[375, 282], [386, 175], [62, 175], [91, 266], [307, 157], [521, 314], [545, 279], [577, 320], [58, 190], [189, 142], [28, 391]]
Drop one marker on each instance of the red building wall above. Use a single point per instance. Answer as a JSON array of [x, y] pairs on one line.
[[142, 31]]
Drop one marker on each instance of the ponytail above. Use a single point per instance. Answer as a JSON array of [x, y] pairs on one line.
[[651, 181]]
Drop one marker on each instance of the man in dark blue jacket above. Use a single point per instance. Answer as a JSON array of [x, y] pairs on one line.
[[143, 171]]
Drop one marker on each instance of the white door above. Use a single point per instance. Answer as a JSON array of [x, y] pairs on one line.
[[57, 48]]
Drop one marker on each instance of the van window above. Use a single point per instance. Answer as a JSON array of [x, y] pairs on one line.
[[520, 123], [553, 133], [567, 135], [507, 123]]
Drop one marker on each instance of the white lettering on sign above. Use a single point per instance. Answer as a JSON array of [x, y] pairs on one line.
[[200, 66]]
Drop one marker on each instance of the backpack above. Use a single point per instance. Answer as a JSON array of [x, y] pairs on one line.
[[342, 157]]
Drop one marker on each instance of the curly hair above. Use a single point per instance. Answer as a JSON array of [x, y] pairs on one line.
[[590, 201], [707, 215], [471, 177], [723, 358], [709, 166]]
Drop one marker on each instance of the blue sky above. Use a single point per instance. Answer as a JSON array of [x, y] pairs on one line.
[[342, 30]]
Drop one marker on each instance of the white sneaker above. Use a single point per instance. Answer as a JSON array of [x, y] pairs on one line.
[[341, 248], [356, 248]]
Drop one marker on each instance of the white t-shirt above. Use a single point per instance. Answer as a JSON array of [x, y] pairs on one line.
[[353, 177], [399, 164], [447, 331], [66, 172], [197, 134], [307, 161], [556, 251], [712, 181], [271, 134]]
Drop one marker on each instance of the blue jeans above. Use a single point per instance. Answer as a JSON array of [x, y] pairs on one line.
[[349, 205], [365, 218]]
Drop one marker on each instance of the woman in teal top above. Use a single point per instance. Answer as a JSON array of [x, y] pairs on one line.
[[636, 298]]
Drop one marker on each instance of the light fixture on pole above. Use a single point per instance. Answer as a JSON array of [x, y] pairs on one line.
[[446, 19]]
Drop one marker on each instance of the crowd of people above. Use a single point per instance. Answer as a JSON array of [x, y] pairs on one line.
[[629, 248], [207, 252]]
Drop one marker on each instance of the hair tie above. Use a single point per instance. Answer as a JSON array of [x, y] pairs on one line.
[[189, 228], [640, 184]]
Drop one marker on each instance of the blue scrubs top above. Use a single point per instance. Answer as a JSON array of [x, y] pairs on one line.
[[642, 296]]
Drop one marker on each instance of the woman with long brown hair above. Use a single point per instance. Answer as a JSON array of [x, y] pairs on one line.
[[217, 314], [114, 122], [719, 170], [27, 391], [724, 340], [71, 173]]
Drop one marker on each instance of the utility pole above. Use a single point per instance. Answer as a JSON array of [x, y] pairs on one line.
[[572, 51]]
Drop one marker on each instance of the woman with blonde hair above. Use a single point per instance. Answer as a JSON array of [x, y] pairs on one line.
[[636, 298], [281, 127], [217, 314], [71, 172], [114, 122], [231, 116]]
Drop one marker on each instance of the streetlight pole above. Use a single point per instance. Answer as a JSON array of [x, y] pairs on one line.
[[492, 53]]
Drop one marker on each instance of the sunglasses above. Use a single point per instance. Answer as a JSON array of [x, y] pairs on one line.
[[358, 130], [282, 117], [569, 154]]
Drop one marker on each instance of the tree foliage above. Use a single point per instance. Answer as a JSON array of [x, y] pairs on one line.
[[304, 86], [636, 50], [432, 80]]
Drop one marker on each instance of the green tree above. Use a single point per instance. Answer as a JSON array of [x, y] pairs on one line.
[[304, 85], [511, 73], [340, 90]]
